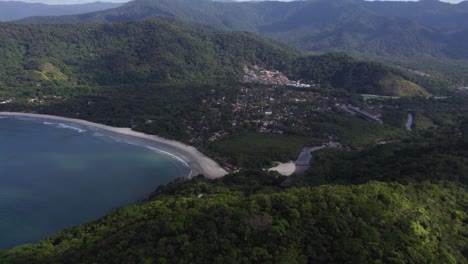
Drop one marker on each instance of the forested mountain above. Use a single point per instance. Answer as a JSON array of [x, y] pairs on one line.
[[154, 51], [14, 10], [167, 50], [372, 28], [337, 70]]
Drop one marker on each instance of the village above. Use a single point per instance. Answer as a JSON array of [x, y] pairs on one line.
[[268, 102], [257, 75]]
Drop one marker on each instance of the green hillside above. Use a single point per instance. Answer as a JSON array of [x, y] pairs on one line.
[[167, 51], [399, 31], [154, 51], [338, 70], [396, 86], [249, 218], [395, 29]]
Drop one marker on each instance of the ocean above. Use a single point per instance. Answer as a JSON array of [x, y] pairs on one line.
[[55, 175]]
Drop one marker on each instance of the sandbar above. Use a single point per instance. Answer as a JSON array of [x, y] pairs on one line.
[[285, 169]]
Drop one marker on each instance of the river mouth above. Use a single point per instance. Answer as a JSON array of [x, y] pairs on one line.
[[55, 174]]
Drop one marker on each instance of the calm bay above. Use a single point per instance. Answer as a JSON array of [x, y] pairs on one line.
[[54, 175]]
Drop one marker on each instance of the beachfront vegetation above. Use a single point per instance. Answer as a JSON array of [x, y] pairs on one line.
[[257, 150], [253, 150], [443, 159]]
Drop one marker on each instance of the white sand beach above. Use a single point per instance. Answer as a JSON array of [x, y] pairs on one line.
[[286, 169], [199, 163]]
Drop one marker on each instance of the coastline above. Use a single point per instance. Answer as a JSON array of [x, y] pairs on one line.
[[197, 161]]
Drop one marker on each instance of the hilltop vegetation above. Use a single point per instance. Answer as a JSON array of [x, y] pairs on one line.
[[337, 70], [156, 51], [249, 218], [400, 32], [442, 160], [169, 51]]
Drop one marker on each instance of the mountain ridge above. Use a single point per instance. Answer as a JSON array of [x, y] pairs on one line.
[[162, 50], [396, 31], [15, 10]]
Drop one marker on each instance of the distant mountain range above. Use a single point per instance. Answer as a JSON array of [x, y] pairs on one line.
[[412, 31], [15, 10]]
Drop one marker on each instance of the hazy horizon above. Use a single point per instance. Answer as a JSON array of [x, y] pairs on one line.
[[65, 2]]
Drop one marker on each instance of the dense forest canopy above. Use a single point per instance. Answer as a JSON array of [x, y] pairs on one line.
[[151, 51], [249, 218], [166, 51], [400, 32]]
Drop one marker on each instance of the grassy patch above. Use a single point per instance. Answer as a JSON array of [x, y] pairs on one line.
[[422, 123], [351, 131], [397, 86]]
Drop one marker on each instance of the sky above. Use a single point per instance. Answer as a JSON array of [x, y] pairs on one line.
[[62, 2], [66, 2]]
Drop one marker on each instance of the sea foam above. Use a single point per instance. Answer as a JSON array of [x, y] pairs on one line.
[[170, 154], [71, 127]]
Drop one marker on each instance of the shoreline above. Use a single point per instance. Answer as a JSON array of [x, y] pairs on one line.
[[197, 161]]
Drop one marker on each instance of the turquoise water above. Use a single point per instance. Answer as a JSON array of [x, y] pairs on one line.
[[54, 175]]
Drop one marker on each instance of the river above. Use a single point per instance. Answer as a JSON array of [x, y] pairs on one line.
[[303, 160], [409, 122]]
